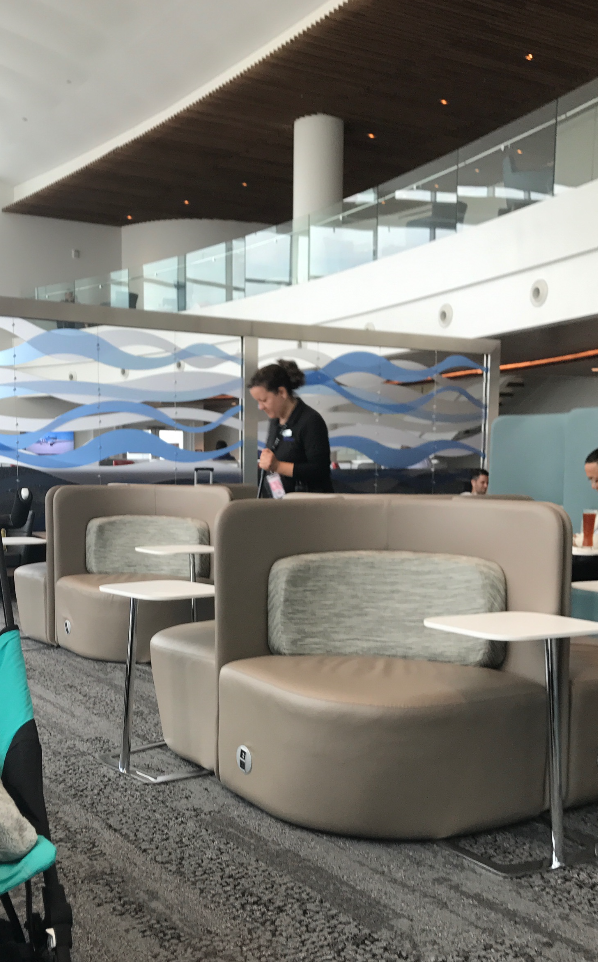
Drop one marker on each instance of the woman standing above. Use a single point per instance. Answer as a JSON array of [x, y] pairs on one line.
[[297, 448]]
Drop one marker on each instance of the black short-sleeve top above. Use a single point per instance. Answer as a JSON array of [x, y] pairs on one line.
[[303, 440]]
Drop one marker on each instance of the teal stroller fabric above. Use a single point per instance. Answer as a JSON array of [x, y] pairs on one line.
[[17, 711], [39, 859], [14, 690]]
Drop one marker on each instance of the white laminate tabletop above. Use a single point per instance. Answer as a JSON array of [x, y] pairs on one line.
[[18, 540], [585, 585], [162, 590], [166, 549], [513, 625], [584, 551]]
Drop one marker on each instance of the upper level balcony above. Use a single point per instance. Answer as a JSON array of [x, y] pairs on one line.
[[547, 152]]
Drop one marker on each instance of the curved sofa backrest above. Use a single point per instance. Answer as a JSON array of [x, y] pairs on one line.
[[73, 507], [530, 541]]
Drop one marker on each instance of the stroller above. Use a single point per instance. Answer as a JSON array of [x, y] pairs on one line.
[[47, 939]]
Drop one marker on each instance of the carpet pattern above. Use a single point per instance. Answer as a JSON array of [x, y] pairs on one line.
[[188, 872]]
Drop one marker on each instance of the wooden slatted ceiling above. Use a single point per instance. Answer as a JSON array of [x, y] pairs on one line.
[[383, 66]]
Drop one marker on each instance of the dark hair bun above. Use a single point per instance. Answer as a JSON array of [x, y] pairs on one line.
[[295, 376], [284, 374]]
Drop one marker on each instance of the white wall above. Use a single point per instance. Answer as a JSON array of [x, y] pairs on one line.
[[156, 240], [484, 273], [36, 251]]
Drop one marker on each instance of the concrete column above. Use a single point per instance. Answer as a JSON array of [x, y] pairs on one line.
[[317, 163]]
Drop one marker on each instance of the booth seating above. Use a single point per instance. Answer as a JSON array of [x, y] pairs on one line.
[[34, 601], [318, 696], [92, 531]]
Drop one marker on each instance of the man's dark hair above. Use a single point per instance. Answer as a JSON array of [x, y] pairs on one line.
[[220, 444], [592, 457], [476, 472]]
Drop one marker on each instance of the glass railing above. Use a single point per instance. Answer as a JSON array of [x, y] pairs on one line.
[[544, 153]]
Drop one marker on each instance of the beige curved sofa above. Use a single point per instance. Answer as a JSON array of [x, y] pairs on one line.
[[61, 603], [379, 746]]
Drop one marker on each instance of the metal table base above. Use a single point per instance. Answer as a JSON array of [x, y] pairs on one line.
[[115, 762], [122, 762], [587, 844]]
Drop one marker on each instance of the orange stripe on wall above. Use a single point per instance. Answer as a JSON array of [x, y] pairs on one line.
[[539, 362]]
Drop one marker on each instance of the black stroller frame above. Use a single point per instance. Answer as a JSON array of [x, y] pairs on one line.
[[45, 938]]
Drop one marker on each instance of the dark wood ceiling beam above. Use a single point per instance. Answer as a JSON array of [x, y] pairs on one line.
[[381, 65]]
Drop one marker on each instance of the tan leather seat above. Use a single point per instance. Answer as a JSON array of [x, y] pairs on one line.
[[184, 669], [31, 592], [583, 723], [383, 746], [94, 624], [377, 746]]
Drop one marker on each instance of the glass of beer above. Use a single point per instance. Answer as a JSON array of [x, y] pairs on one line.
[[589, 523]]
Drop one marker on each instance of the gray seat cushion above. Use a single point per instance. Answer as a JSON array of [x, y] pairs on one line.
[[374, 603], [110, 544]]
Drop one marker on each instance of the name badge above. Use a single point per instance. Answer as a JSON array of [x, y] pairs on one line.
[[287, 433]]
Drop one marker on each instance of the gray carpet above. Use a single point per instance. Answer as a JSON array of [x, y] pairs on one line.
[[188, 871]]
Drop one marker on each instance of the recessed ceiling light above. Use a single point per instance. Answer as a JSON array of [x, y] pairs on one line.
[[186, 202], [129, 217], [595, 370], [529, 56], [244, 184], [444, 102], [436, 186], [372, 136], [519, 150], [477, 170]]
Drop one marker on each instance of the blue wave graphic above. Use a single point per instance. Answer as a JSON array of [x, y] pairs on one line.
[[113, 443], [118, 391], [399, 457], [96, 348], [367, 363], [371, 402], [20, 441]]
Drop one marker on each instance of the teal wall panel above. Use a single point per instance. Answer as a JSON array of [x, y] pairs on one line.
[[584, 604], [527, 452], [581, 438]]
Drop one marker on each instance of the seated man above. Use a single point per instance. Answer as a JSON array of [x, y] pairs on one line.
[[220, 444], [479, 482], [591, 468], [585, 568]]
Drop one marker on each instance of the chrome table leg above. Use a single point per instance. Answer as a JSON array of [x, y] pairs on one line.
[[193, 580], [122, 762], [587, 845], [555, 753], [125, 748]]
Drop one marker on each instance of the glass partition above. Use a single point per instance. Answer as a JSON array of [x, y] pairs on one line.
[[208, 276], [344, 236], [164, 285], [97, 404], [418, 207], [83, 404], [268, 260], [509, 169], [398, 420], [577, 138], [109, 290]]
